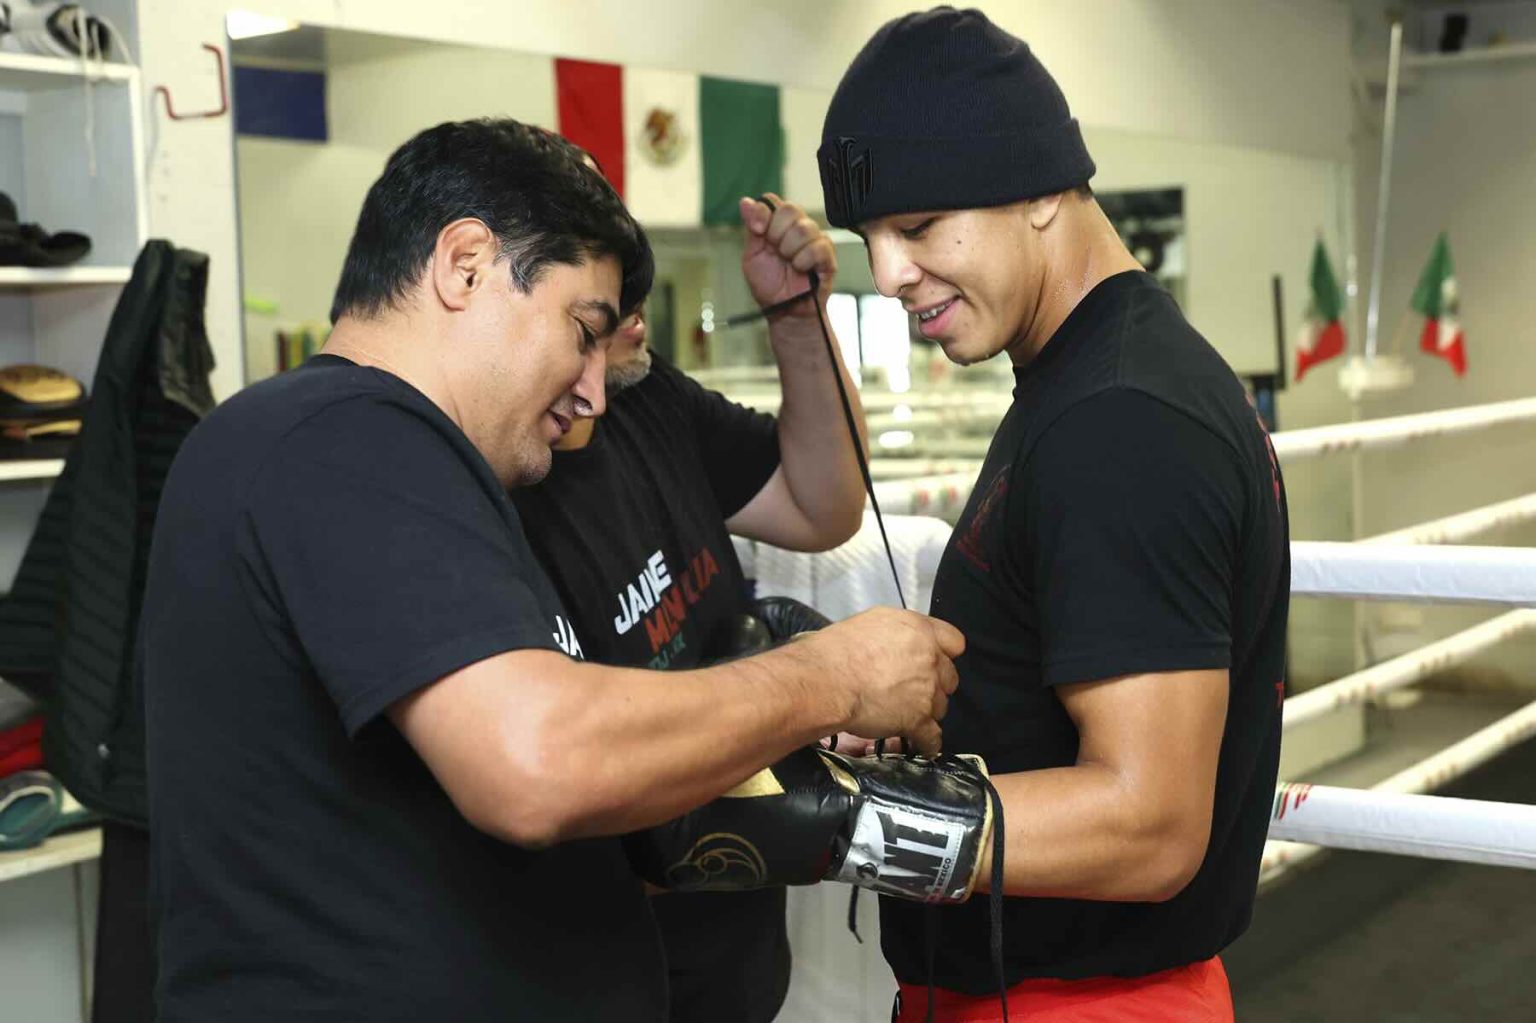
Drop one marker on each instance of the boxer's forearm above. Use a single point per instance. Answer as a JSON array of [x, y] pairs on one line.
[[1082, 833], [816, 453]]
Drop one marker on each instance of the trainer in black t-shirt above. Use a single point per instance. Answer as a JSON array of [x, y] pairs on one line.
[[1129, 518], [329, 542], [632, 529]]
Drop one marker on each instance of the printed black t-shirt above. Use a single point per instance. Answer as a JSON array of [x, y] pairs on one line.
[[1129, 518], [329, 542], [632, 530], [632, 526]]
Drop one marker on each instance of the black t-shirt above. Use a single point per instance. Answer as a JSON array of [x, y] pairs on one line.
[[632, 526], [329, 542], [1129, 518], [632, 530]]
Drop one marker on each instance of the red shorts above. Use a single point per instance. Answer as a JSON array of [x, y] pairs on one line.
[[1197, 993]]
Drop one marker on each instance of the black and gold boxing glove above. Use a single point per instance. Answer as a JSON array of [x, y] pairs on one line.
[[787, 617], [769, 622], [901, 826]]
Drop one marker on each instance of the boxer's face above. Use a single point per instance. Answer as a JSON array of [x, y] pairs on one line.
[[971, 276], [534, 361], [629, 357]]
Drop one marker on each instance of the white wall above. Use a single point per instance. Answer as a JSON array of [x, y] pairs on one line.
[[298, 205], [1249, 214], [298, 201]]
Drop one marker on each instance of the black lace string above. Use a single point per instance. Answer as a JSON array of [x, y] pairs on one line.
[[813, 293], [995, 897]]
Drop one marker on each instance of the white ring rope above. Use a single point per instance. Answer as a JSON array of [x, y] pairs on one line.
[[1447, 765], [929, 495], [1472, 752], [1432, 827], [1455, 528], [1378, 433], [1289, 444], [1495, 575], [1406, 670], [912, 468]]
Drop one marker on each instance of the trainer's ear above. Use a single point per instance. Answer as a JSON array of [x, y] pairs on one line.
[[1042, 211], [461, 261]]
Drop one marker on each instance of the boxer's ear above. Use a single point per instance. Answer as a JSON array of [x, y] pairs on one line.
[[1042, 211], [461, 261]]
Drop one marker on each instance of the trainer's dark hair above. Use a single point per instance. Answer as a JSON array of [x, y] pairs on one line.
[[527, 185]]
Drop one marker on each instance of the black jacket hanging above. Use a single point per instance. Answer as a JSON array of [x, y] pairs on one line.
[[67, 628]]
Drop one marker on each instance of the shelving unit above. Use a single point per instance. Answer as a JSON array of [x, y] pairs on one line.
[[1415, 64], [59, 851], [30, 470], [1468, 58], [58, 317], [30, 72], [18, 278]]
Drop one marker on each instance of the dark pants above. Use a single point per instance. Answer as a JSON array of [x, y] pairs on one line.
[[727, 954], [125, 953]]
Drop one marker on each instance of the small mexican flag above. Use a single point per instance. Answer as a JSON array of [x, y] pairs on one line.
[[1322, 331], [1436, 300]]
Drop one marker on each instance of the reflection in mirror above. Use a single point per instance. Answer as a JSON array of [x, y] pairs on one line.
[[319, 110]]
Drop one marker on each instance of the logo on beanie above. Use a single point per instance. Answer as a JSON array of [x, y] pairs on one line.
[[851, 174]]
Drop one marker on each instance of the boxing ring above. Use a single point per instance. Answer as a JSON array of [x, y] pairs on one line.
[[1397, 815], [943, 493]]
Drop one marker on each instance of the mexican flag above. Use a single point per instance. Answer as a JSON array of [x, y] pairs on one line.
[[1436, 300], [681, 148], [1322, 331]]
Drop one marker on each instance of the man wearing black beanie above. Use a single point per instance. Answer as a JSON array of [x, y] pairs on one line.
[[1121, 571]]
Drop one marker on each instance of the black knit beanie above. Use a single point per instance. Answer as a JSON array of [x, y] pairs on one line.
[[943, 110]]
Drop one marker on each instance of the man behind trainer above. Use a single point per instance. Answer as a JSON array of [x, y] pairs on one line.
[[634, 525], [1121, 571], [381, 776]]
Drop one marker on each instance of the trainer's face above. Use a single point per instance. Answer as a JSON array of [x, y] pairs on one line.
[[629, 357], [538, 361], [972, 277]]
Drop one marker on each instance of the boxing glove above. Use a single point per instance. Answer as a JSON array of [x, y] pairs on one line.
[[900, 826], [787, 617]]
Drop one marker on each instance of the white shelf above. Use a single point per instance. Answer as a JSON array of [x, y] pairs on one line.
[[25, 278], [1477, 55], [59, 851], [1375, 71], [27, 71], [31, 469]]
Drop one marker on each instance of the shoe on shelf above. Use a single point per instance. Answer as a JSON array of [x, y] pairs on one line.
[[29, 245]]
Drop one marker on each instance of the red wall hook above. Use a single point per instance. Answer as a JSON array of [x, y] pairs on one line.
[[170, 110]]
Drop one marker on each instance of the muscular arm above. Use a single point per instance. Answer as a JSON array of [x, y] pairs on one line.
[[1131, 550], [1130, 820], [536, 748], [815, 500]]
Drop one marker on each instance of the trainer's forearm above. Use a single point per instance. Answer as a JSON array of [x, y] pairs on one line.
[[646, 746], [1081, 833], [814, 448]]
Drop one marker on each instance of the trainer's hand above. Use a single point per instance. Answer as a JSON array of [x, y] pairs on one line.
[[783, 244], [898, 667]]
